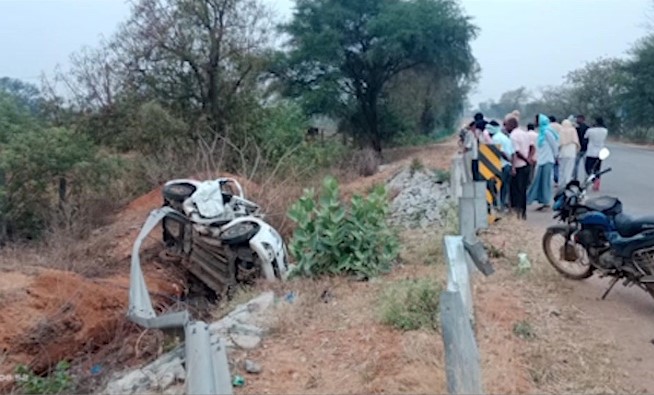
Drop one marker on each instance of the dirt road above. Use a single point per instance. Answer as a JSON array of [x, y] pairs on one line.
[[627, 315]]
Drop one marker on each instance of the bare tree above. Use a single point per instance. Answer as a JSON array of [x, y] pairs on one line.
[[201, 55]]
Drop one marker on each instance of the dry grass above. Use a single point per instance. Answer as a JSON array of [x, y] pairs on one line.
[[365, 162], [331, 339], [334, 322], [560, 354]]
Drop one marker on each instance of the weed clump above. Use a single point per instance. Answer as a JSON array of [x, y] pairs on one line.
[[411, 304]]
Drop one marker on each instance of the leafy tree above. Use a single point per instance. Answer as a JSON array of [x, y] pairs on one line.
[[344, 53], [596, 90], [511, 100], [26, 95], [639, 84], [199, 57], [425, 102], [14, 117]]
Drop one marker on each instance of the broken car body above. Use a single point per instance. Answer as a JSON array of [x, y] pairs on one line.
[[218, 235]]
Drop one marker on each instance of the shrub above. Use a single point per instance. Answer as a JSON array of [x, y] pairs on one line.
[[57, 382], [411, 304], [416, 166], [366, 162], [332, 239], [50, 172], [442, 175]]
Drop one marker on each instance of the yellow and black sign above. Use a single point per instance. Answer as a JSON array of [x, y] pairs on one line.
[[490, 168]]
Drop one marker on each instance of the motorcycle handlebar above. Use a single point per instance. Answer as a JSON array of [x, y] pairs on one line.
[[603, 172]]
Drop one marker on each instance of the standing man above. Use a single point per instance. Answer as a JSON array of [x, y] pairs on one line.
[[506, 146], [583, 143], [520, 167], [480, 122], [596, 137], [471, 153]]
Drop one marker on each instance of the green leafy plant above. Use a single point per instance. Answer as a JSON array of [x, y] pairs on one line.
[[333, 239], [411, 304], [57, 382]]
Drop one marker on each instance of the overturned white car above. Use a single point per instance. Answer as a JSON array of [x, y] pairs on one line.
[[217, 234]]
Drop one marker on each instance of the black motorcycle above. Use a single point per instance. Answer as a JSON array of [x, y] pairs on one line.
[[597, 236]]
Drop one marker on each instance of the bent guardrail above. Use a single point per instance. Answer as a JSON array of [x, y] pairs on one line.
[[207, 369]]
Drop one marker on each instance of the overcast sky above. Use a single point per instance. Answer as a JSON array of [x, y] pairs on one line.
[[531, 43]]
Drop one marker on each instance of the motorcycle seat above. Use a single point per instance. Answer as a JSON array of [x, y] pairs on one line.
[[605, 204], [629, 226]]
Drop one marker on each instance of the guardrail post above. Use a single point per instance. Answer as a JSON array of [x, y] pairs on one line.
[[481, 205], [462, 361], [457, 177], [458, 278]]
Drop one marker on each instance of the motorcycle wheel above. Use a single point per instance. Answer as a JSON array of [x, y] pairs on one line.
[[555, 255]]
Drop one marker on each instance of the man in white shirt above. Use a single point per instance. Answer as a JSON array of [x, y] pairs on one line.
[[520, 167], [596, 140], [471, 153], [506, 146]]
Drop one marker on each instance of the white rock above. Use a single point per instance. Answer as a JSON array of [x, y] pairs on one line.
[[134, 382], [262, 302], [251, 367], [170, 373], [419, 200], [247, 329], [175, 390], [247, 342]]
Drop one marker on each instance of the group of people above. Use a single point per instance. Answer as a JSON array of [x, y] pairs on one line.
[[536, 160]]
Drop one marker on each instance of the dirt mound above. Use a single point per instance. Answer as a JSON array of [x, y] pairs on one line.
[[57, 315]]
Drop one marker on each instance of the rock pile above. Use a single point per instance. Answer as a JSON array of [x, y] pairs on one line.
[[421, 196], [243, 328]]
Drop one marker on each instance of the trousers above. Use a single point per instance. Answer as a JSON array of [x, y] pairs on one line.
[[580, 156], [567, 166], [506, 187], [518, 190]]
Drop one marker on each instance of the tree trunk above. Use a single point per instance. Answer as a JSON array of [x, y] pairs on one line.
[[62, 191], [372, 119]]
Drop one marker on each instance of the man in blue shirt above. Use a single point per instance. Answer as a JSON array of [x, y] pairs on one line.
[[501, 139]]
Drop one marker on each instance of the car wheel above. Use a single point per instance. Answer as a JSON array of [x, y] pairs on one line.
[[239, 233], [178, 192]]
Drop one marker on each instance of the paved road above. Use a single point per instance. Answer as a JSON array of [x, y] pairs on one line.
[[631, 180], [627, 315]]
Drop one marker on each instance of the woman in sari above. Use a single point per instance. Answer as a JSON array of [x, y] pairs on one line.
[[547, 147]]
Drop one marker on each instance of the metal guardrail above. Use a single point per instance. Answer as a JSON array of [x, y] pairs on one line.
[[463, 253], [207, 368]]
